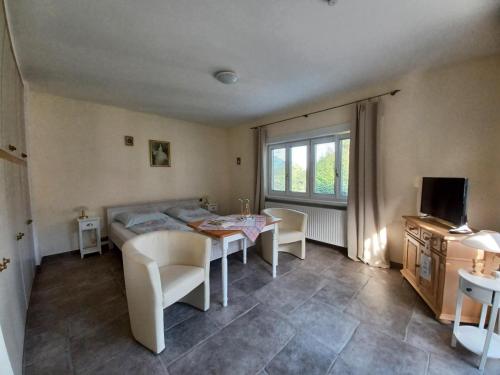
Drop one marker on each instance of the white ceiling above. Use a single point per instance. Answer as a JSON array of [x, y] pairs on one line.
[[159, 55]]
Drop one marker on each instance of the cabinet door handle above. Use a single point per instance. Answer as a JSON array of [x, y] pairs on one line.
[[12, 148], [468, 289], [29, 221], [24, 155], [19, 236]]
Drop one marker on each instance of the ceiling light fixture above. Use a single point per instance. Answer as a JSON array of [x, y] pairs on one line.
[[226, 76]]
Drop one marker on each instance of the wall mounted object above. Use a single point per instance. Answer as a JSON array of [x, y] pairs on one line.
[[129, 140], [159, 153]]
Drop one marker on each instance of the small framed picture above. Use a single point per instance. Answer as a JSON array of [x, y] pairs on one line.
[[129, 140], [159, 153]]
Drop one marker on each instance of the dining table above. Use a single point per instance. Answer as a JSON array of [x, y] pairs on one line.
[[226, 236]]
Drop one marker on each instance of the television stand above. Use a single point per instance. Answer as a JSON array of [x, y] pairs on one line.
[[432, 257]]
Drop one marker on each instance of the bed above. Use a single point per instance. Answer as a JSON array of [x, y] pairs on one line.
[[118, 234], [222, 246]]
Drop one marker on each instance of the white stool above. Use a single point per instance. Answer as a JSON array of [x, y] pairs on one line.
[[478, 340]]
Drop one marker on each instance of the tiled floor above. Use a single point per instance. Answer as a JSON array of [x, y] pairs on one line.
[[324, 315]]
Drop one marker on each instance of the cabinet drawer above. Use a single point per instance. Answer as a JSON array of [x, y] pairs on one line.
[[89, 224], [425, 235], [413, 229], [476, 292]]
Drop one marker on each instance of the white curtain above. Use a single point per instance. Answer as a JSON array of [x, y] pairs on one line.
[[366, 229], [259, 199]]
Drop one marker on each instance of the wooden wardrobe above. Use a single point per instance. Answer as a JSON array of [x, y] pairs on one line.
[[17, 261]]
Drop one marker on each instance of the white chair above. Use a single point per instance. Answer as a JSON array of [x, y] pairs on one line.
[[291, 229], [162, 268]]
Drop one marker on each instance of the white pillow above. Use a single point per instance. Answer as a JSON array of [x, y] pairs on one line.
[[189, 214], [133, 218]]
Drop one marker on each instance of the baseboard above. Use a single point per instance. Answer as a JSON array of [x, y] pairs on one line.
[[45, 258], [397, 266], [343, 250]]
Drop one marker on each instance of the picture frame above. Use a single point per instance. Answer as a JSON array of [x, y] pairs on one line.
[[159, 153]]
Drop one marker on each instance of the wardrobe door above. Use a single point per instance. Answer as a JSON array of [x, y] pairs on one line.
[[25, 242], [12, 294], [20, 114], [11, 131], [4, 130]]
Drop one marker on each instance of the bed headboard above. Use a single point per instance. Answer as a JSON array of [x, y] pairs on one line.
[[161, 206]]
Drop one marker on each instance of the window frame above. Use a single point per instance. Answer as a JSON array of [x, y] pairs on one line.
[[309, 195], [272, 192], [340, 137], [288, 189], [314, 142]]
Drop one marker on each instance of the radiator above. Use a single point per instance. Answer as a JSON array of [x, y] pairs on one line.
[[327, 225]]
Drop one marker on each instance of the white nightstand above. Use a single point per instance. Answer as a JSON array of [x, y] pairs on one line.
[[86, 227], [212, 207], [481, 341]]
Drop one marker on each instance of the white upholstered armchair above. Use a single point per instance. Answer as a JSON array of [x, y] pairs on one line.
[[291, 229], [162, 268]]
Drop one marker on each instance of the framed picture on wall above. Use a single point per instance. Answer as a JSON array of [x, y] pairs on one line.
[[159, 153]]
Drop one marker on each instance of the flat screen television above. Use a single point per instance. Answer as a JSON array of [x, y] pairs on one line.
[[445, 198]]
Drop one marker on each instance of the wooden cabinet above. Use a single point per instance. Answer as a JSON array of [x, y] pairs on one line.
[[12, 137], [411, 258], [431, 259], [430, 285], [17, 261]]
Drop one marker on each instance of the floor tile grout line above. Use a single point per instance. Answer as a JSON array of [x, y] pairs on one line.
[[332, 365], [395, 338], [180, 322], [92, 368], [204, 340], [427, 368], [307, 300], [182, 355], [279, 351], [311, 296], [356, 294], [405, 338]]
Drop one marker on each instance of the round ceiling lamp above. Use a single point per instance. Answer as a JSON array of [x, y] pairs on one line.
[[227, 77]]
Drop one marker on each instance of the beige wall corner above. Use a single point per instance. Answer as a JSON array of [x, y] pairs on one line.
[[78, 157]]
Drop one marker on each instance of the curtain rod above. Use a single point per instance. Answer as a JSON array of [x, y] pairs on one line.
[[392, 93]]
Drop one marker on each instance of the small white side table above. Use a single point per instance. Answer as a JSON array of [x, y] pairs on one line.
[[478, 340], [86, 225]]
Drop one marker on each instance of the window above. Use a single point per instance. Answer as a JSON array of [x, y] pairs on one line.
[[298, 168], [278, 168], [316, 168]]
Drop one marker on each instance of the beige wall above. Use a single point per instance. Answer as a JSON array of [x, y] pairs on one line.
[[78, 157], [444, 122]]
